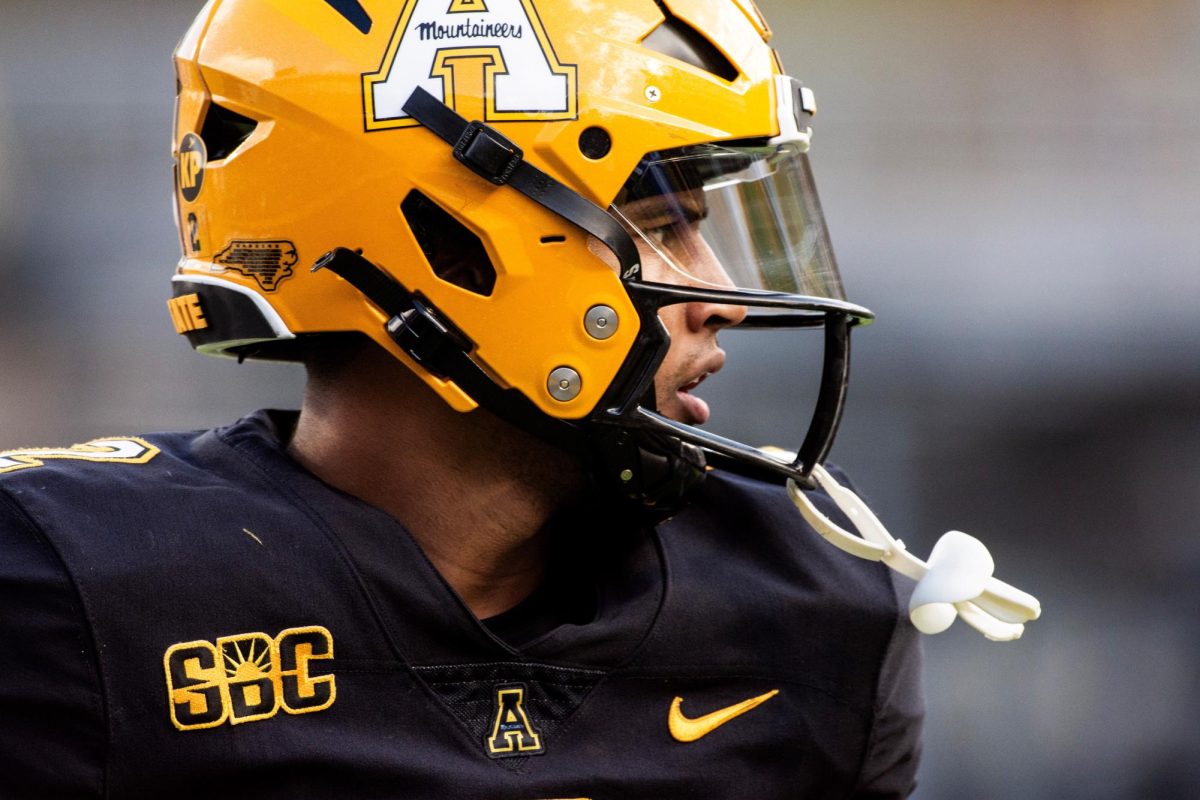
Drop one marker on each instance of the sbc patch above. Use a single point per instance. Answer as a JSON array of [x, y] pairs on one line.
[[247, 677], [115, 451], [268, 262], [446, 48]]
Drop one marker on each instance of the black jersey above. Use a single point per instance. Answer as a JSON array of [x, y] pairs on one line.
[[190, 615]]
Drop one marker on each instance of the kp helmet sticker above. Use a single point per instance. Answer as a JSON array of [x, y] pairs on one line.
[[444, 45], [192, 160]]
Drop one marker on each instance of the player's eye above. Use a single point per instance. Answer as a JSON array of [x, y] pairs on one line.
[[660, 234]]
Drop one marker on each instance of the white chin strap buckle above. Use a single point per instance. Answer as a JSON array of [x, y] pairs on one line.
[[956, 581]]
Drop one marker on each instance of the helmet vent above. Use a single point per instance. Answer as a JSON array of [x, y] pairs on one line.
[[675, 38], [455, 254], [224, 131]]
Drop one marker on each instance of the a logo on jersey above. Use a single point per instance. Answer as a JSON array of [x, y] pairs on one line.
[[120, 451], [685, 729], [269, 263], [193, 157], [512, 734], [496, 50], [247, 677]]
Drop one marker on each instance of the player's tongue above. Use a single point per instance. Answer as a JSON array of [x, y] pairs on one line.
[[696, 410]]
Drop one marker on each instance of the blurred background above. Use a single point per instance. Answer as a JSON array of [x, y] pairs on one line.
[[1014, 187]]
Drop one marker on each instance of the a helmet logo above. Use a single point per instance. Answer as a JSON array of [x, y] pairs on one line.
[[192, 159], [487, 59], [269, 263]]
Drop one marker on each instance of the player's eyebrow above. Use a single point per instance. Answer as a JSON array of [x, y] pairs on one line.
[[654, 212]]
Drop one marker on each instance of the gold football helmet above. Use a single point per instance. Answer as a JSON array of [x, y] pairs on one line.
[[472, 184]]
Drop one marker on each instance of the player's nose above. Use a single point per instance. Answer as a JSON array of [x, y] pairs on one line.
[[714, 316]]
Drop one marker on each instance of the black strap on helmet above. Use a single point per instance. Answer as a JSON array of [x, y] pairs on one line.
[[491, 155], [661, 469], [434, 343]]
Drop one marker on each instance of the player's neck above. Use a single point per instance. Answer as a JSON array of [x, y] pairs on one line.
[[474, 492]]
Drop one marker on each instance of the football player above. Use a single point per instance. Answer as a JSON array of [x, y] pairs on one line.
[[494, 555]]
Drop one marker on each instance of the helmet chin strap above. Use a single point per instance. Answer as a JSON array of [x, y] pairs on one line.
[[661, 469], [956, 581]]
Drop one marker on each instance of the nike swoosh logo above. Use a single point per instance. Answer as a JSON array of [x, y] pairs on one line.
[[689, 730]]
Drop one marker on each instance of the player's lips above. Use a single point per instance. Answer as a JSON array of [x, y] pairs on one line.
[[695, 410]]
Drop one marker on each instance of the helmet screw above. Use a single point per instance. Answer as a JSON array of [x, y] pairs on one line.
[[626, 475], [564, 384], [601, 322], [653, 94]]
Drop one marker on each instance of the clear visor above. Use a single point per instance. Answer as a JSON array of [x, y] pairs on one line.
[[731, 217]]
